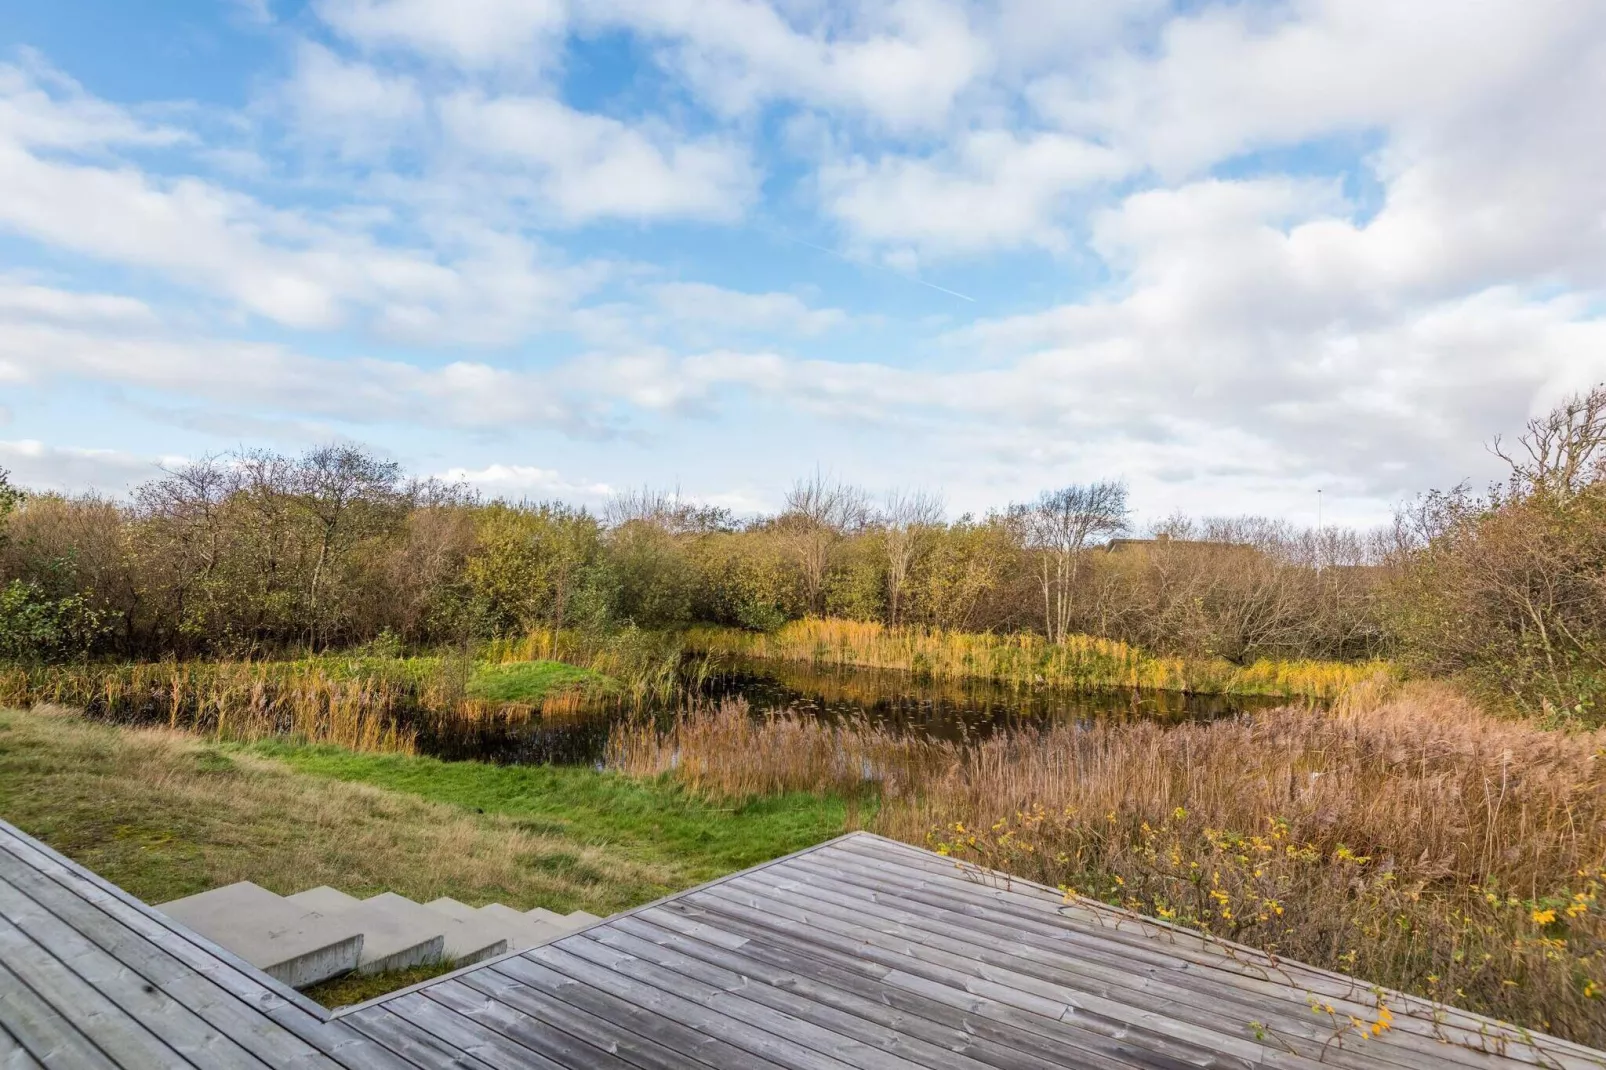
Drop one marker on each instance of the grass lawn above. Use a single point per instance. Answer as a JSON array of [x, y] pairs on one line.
[[164, 815], [529, 681]]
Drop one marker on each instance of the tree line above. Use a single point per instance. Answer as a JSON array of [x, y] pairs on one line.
[[256, 553]]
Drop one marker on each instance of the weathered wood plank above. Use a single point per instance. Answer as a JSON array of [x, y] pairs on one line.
[[646, 1022], [253, 1030], [798, 995], [43, 1032], [1419, 1026], [737, 1004], [12, 1054], [1048, 1001], [461, 1034], [421, 1048], [1056, 1042], [599, 1033], [766, 1044], [521, 1029], [989, 1028], [287, 1008], [1202, 1001], [163, 1016], [93, 1015]]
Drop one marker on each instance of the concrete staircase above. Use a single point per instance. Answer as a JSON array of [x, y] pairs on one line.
[[322, 932]]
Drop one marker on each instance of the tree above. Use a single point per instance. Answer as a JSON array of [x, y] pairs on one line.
[[1508, 588], [531, 562], [819, 512], [349, 493], [1060, 526], [906, 526], [1563, 451]]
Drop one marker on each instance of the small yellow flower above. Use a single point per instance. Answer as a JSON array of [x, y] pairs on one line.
[[1542, 917]]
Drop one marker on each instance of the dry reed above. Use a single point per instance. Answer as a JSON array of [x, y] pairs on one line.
[[1403, 837], [1024, 659], [231, 700]]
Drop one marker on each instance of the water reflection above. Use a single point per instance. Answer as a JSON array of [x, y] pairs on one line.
[[956, 710]]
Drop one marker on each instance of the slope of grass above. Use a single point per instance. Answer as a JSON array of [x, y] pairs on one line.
[[529, 681], [166, 814], [655, 821]]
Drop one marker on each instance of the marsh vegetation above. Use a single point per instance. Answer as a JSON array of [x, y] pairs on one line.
[[1397, 773]]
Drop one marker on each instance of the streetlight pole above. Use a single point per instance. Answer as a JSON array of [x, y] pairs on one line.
[[1319, 550]]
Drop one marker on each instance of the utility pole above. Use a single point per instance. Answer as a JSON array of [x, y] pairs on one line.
[[1320, 551]]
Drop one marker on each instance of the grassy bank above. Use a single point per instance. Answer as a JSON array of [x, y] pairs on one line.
[[165, 814], [1025, 660], [373, 704], [1403, 836]]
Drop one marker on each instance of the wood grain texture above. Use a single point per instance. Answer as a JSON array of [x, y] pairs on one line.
[[859, 954]]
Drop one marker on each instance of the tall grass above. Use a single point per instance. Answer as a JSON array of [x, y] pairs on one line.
[[1403, 837], [232, 700], [640, 666], [366, 701], [1024, 660]]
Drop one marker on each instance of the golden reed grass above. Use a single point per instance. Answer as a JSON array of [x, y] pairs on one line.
[[231, 700], [1024, 660], [1403, 836]]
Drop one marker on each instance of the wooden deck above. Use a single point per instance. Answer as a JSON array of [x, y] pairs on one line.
[[859, 953]]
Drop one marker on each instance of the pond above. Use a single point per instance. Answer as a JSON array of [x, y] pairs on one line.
[[954, 710]]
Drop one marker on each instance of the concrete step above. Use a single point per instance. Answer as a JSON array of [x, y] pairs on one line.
[[577, 919], [285, 940], [394, 938], [452, 908], [324, 899], [522, 931], [466, 940]]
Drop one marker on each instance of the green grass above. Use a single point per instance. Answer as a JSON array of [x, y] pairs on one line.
[[529, 681], [164, 814], [355, 988], [656, 822]]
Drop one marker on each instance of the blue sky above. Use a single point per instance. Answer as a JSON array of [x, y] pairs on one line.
[[1231, 253]]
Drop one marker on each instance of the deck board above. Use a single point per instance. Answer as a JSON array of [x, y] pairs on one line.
[[859, 954]]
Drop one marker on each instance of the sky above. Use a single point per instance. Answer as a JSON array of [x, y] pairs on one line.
[[1232, 253]]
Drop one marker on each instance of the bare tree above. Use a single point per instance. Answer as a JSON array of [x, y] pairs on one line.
[[1060, 526], [1564, 450], [907, 523], [819, 512], [667, 510], [333, 481]]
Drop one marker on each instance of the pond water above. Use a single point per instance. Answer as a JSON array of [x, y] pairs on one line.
[[955, 710]]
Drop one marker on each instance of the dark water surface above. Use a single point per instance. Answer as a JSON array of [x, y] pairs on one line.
[[954, 710]]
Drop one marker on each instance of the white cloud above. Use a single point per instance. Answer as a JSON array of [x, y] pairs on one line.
[[903, 63], [351, 106], [591, 166], [270, 379], [699, 303], [519, 481], [988, 189], [24, 300], [30, 114], [1233, 78], [291, 266], [1343, 240], [33, 465], [473, 33]]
